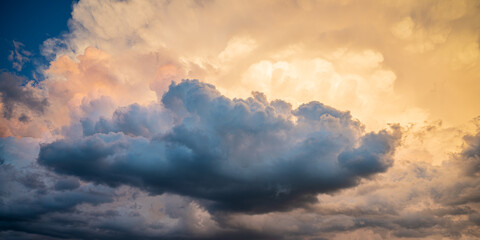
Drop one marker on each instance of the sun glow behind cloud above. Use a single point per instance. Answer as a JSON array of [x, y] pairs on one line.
[[247, 151], [298, 51]]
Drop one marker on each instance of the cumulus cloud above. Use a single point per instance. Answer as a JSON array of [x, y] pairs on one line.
[[340, 60], [242, 154]]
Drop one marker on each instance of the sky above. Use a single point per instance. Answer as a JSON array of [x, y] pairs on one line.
[[291, 119], [23, 30]]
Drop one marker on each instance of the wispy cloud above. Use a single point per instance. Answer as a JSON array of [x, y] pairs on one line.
[[19, 56]]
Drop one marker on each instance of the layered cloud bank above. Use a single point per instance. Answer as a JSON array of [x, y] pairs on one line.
[[310, 120]]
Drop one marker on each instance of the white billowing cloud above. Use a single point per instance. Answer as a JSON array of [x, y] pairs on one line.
[[354, 81], [277, 47]]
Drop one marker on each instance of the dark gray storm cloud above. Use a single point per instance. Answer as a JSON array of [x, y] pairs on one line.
[[242, 154], [13, 94]]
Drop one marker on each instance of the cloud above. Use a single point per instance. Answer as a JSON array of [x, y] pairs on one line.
[[36, 203], [414, 199], [241, 154], [19, 56], [470, 156], [134, 120], [118, 154], [379, 74], [341, 62], [15, 95], [29, 191]]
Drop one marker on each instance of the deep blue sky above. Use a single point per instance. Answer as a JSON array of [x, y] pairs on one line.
[[30, 22]]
